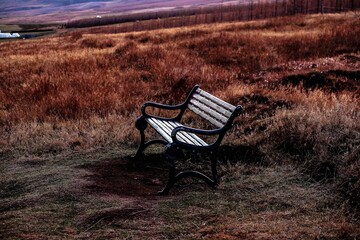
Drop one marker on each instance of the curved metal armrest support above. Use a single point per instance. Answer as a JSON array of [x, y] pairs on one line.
[[195, 131], [160, 106]]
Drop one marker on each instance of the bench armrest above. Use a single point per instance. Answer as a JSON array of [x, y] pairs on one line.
[[195, 131], [160, 106]]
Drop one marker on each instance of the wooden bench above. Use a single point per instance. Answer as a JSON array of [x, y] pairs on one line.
[[176, 136]]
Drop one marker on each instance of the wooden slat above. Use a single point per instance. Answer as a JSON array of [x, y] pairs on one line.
[[218, 108], [197, 140], [164, 128], [168, 129], [202, 142], [159, 130], [180, 135], [216, 100], [189, 138], [209, 111], [201, 113]]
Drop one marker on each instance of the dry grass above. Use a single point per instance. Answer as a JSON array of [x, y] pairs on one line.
[[297, 77], [104, 71]]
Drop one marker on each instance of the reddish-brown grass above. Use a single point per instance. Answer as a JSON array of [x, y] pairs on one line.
[[89, 75]]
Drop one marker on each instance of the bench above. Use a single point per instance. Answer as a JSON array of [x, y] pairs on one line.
[[176, 136]]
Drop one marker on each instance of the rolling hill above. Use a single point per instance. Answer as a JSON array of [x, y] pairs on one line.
[[40, 11]]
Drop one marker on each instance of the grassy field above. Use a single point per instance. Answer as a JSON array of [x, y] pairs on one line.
[[290, 165]]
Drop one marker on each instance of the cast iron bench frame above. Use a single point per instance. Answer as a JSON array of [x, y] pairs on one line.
[[177, 136]]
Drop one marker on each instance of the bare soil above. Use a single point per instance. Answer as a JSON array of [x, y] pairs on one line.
[[125, 177]]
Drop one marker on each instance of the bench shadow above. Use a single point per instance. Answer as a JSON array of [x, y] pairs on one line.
[[144, 177], [127, 177]]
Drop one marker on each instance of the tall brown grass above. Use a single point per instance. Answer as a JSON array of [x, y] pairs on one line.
[[80, 76]]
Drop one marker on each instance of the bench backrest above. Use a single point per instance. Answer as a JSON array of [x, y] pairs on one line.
[[211, 108]]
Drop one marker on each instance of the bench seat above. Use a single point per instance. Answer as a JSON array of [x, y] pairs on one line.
[[165, 127]]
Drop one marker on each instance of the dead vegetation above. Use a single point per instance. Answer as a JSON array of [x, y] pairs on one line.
[[291, 160]]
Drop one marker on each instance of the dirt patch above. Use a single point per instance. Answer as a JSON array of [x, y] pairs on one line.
[[332, 81], [128, 178], [110, 215]]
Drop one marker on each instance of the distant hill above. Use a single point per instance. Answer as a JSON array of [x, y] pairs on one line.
[[41, 11]]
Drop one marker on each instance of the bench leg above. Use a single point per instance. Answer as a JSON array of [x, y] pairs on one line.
[[171, 180], [141, 125], [172, 153], [213, 168]]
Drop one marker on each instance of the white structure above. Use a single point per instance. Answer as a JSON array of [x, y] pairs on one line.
[[9, 35]]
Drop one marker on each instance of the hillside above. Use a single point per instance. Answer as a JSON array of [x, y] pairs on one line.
[[290, 165], [45, 11]]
